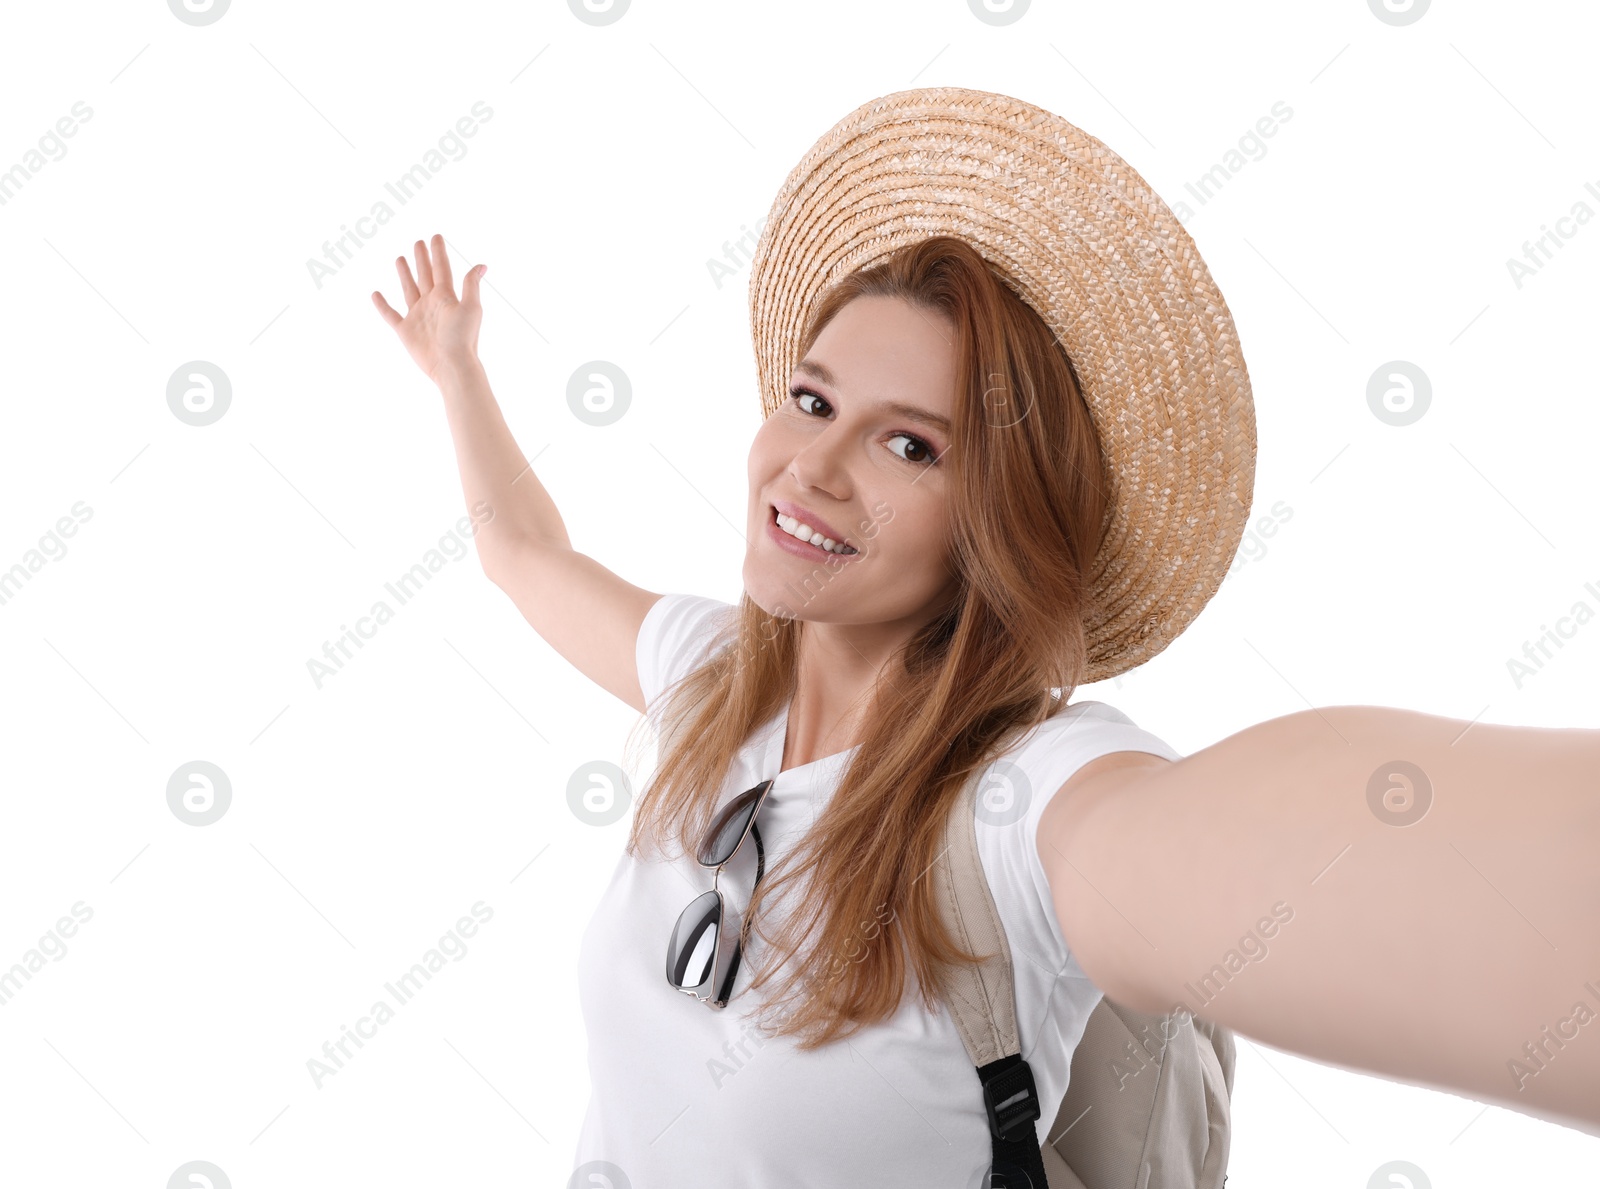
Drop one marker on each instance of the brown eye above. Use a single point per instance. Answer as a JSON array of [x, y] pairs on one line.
[[799, 394], [918, 444]]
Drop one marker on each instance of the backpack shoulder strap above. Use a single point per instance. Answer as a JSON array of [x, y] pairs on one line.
[[983, 1002], [1147, 1096]]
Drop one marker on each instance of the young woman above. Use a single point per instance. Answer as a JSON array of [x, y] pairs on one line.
[[958, 506]]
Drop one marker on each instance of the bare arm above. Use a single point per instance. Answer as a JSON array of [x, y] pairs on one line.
[[494, 471], [440, 332], [1379, 889], [581, 609]]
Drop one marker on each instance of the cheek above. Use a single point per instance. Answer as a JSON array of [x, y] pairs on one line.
[[915, 531], [768, 451], [759, 464]]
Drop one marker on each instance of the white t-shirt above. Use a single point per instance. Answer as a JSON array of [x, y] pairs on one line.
[[684, 1095]]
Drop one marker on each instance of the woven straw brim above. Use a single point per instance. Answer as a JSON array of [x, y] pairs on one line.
[[1109, 268]]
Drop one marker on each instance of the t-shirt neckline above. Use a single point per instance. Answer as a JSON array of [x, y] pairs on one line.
[[778, 735]]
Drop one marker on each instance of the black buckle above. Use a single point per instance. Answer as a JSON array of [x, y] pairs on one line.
[[1010, 1097]]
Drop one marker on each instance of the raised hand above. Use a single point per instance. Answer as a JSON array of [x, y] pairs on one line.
[[438, 329]]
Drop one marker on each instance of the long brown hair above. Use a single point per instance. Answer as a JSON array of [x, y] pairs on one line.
[[1027, 491]]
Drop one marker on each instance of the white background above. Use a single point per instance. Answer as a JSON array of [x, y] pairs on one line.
[[431, 772]]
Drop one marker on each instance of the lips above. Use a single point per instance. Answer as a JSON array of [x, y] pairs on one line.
[[811, 519], [789, 543]]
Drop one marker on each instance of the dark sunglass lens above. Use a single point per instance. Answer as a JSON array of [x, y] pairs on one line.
[[729, 826], [694, 941]]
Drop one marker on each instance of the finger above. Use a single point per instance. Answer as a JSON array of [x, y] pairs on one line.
[[441, 265], [469, 285], [408, 287], [424, 269], [387, 312]]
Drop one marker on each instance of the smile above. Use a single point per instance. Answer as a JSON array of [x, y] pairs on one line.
[[792, 543]]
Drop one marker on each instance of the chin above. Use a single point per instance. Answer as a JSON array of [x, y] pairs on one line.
[[766, 593]]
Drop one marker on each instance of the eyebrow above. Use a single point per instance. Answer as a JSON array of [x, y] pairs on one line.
[[896, 408]]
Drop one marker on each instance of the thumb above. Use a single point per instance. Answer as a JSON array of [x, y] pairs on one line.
[[469, 284]]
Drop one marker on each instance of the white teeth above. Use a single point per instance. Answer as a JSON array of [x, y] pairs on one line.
[[805, 533]]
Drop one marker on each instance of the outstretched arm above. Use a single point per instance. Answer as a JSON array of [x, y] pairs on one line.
[[1379, 889], [584, 611]]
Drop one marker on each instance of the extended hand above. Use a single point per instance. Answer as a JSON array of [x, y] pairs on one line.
[[437, 328]]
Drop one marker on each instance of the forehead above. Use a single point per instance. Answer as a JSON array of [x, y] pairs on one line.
[[886, 352]]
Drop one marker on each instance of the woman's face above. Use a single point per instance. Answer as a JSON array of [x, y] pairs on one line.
[[861, 468]]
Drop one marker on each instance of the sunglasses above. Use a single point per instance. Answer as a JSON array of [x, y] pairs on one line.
[[703, 954]]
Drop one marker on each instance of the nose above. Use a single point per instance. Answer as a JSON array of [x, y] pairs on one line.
[[820, 465]]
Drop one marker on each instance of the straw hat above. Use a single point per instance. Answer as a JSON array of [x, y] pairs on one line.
[[1104, 261]]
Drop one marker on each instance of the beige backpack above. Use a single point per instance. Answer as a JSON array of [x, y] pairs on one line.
[[1164, 1129]]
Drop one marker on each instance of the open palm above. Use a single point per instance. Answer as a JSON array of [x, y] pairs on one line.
[[437, 328]]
